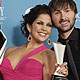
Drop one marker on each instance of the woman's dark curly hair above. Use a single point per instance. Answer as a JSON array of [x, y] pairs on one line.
[[32, 15]]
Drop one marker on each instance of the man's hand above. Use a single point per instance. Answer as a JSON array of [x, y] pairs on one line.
[[63, 69]]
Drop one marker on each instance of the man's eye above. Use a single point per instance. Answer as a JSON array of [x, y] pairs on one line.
[[49, 25], [41, 23], [67, 10], [57, 12]]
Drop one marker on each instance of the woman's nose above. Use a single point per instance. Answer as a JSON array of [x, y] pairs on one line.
[[44, 28]]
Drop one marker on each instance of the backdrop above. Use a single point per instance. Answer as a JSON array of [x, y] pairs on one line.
[[12, 13]]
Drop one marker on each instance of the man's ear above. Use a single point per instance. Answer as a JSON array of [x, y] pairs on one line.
[[29, 28], [76, 15]]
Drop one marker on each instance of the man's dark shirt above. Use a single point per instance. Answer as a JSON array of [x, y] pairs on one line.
[[74, 42]]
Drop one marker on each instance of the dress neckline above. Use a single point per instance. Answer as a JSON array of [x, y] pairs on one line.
[[35, 51]]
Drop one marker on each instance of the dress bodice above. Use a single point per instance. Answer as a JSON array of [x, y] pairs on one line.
[[26, 69]]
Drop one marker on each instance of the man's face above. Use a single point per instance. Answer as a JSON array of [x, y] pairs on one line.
[[64, 19]]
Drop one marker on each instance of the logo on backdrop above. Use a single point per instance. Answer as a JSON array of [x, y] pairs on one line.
[[1, 13]]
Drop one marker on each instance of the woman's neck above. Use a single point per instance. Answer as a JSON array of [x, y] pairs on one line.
[[33, 44]]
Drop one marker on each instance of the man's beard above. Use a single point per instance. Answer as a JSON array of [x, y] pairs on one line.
[[64, 31]]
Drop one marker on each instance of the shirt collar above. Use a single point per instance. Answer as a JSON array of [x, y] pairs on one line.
[[73, 35]]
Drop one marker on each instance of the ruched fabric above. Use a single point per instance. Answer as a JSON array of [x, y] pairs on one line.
[[26, 69]]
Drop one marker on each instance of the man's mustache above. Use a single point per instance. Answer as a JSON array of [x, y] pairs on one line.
[[64, 21]]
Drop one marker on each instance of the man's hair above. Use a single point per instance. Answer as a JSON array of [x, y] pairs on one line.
[[60, 4]]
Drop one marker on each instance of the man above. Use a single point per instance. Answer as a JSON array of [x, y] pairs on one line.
[[64, 14]]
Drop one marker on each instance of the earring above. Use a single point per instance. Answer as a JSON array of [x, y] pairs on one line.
[[29, 37], [49, 41]]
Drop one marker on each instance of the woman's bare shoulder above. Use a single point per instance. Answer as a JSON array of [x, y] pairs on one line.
[[49, 52], [9, 50], [48, 55]]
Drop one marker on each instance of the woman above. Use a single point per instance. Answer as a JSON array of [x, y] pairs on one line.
[[33, 60]]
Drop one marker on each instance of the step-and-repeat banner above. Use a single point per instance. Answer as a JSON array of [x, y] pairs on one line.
[[11, 12]]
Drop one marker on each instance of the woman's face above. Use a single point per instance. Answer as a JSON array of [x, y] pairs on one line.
[[41, 28]]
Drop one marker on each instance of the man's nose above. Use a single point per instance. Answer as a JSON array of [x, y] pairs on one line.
[[63, 15]]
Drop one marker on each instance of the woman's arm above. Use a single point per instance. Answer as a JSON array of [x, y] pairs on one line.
[[49, 61]]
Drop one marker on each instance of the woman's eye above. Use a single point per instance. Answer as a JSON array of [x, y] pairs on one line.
[[41, 23], [49, 25]]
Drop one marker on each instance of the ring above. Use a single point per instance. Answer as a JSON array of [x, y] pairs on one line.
[[64, 72]]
